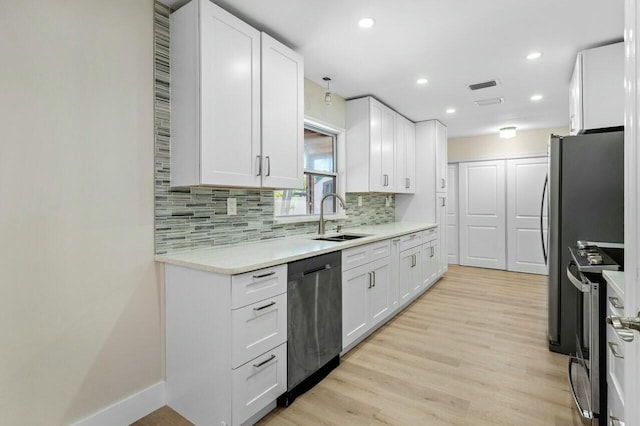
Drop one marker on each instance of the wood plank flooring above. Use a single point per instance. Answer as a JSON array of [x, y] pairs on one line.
[[470, 351]]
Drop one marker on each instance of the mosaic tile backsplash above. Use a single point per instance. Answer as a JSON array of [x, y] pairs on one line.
[[189, 218]]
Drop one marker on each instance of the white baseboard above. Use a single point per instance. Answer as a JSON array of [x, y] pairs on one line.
[[130, 409]]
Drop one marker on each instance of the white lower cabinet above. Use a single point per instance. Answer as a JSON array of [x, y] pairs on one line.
[[410, 278], [431, 266], [365, 290], [258, 383], [226, 351]]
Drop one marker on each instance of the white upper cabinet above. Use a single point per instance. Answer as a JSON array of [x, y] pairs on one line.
[[380, 148], [282, 115], [597, 89], [441, 157], [236, 103], [405, 155]]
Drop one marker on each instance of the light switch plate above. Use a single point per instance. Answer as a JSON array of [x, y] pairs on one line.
[[232, 207]]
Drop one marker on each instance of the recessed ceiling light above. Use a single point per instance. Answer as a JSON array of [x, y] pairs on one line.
[[536, 97], [451, 110], [422, 81], [507, 132], [366, 23], [533, 55]]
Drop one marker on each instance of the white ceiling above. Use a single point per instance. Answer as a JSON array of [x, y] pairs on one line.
[[452, 43]]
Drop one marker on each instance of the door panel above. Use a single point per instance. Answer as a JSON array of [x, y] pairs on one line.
[[525, 184], [482, 214]]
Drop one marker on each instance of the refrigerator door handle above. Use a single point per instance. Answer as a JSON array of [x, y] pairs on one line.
[[544, 191]]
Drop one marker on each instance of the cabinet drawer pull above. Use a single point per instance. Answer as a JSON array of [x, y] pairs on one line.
[[374, 278], [443, 202], [268, 160], [433, 251], [268, 274], [397, 240], [259, 165], [386, 180], [260, 364], [616, 303], [615, 350], [442, 184], [369, 275], [264, 307]]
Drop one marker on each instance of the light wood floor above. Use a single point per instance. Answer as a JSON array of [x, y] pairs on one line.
[[470, 351]]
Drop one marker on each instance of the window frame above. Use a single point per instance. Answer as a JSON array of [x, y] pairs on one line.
[[339, 161]]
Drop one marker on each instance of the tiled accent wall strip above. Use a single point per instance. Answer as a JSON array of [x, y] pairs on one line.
[[196, 217]]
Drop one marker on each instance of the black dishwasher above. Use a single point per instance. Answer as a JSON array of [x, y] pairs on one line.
[[314, 322]]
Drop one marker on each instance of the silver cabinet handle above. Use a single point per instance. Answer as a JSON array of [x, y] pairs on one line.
[[260, 364], [433, 251], [623, 327], [407, 183], [443, 202], [412, 236], [397, 240], [259, 165], [414, 262], [268, 166], [386, 180], [268, 274], [615, 350], [614, 421], [442, 183], [370, 276], [264, 307], [374, 278], [616, 303]]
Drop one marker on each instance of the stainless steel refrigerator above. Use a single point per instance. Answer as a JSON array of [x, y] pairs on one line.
[[586, 202]]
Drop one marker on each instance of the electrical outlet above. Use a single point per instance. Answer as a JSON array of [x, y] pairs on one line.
[[232, 207], [359, 200]]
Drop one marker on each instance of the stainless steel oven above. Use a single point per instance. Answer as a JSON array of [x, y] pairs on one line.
[[586, 370]]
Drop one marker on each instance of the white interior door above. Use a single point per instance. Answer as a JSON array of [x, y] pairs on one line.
[[482, 214], [452, 214], [525, 185], [632, 212]]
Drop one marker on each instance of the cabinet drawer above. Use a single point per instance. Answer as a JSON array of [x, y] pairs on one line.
[[429, 235], [364, 254], [615, 404], [258, 327], [257, 285], [410, 240], [258, 383], [615, 360], [615, 302]]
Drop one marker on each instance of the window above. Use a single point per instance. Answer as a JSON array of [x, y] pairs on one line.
[[320, 177]]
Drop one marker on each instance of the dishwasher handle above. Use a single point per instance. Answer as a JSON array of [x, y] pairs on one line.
[[313, 271]]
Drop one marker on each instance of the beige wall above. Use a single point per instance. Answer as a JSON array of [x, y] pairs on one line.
[[314, 105], [80, 317], [491, 146]]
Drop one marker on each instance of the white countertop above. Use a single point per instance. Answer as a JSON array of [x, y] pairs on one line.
[[247, 257], [616, 279]]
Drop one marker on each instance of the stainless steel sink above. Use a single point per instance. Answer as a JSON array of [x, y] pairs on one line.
[[340, 237]]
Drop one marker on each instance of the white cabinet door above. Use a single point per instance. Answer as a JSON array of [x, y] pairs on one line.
[[525, 185], [211, 102], [482, 214], [575, 98], [410, 273], [452, 214], [282, 115], [382, 148], [443, 232], [441, 157], [405, 155], [429, 263], [355, 315], [380, 281]]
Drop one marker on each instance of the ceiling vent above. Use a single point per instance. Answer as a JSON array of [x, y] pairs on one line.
[[492, 101], [484, 85]]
